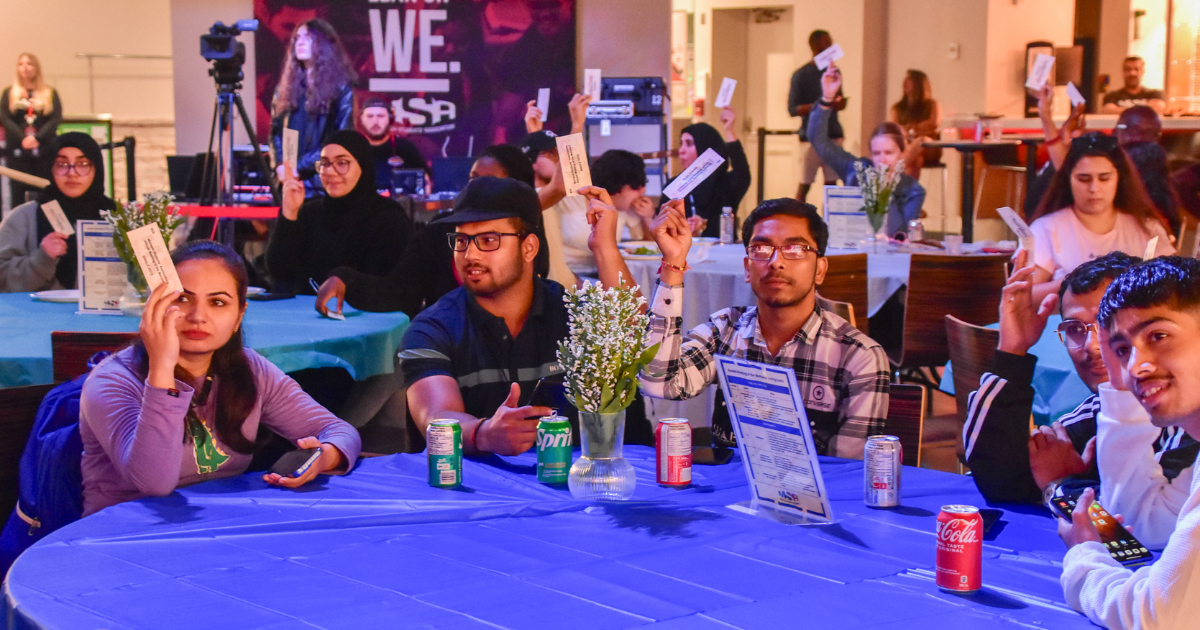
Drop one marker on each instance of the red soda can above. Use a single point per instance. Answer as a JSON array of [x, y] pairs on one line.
[[959, 549], [673, 448]]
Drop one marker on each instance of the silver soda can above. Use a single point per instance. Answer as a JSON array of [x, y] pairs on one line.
[[882, 459]]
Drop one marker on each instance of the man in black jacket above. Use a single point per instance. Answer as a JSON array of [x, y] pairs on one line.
[[1009, 465]]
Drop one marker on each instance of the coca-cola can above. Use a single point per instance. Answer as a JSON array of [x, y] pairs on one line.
[[959, 549], [882, 464], [673, 449]]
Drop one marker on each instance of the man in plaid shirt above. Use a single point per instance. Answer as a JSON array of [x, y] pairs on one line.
[[842, 373]]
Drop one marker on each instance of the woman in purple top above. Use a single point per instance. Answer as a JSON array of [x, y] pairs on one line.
[[184, 404]]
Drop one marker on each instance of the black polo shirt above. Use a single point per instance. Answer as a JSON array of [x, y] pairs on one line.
[[458, 338]]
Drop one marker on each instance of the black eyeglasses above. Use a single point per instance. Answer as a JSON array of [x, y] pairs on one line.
[[342, 166], [791, 251], [1074, 333], [82, 168], [484, 241]]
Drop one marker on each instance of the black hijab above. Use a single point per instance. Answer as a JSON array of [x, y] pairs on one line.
[[704, 198], [85, 207], [360, 149]]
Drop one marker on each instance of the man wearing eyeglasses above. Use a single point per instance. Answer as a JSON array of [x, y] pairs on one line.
[[843, 374], [1010, 466]]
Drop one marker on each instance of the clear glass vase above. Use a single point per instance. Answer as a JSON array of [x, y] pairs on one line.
[[133, 301], [601, 473]]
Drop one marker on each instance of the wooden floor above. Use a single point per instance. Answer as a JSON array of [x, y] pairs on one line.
[[941, 435]]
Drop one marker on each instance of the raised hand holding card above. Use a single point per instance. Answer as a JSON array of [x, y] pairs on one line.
[[591, 83], [1074, 94], [1018, 226], [153, 257], [291, 148], [543, 102], [725, 96], [687, 181], [1040, 72], [572, 158], [828, 56], [57, 218]]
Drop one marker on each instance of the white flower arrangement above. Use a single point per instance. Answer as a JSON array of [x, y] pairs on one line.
[[155, 208], [877, 183], [603, 351]]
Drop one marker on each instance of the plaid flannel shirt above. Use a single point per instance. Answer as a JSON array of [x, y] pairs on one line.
[[843, 374]]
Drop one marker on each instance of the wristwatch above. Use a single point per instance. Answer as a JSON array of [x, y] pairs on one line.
[[1051, 491]]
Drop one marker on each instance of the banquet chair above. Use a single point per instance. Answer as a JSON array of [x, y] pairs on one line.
[[906, 419], [971, 351], [18, 409], [846, 281], [71, 350], [845, 310], [966, 287]]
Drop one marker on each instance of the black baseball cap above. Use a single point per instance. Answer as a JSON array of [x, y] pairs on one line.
[[537, 143], [489, 198]]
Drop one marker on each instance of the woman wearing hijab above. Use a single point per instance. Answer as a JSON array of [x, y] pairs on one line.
[[724, 188], [33, 257], [353, 226]]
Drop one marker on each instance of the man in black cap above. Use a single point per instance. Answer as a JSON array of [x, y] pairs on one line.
[[375, 119], [478, 352]]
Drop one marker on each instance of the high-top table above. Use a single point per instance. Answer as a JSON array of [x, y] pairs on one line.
[[968, 148]]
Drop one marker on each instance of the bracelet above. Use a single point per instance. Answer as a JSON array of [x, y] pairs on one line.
[[475, 434], [824, 102], [1057, 138], [684, 269]]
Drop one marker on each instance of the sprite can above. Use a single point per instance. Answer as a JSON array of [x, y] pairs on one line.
[[444, 439], [553, 449]]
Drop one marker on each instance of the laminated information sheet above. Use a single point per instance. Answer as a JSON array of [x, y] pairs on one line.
[[102, 274], [845, 216], [774, 438]]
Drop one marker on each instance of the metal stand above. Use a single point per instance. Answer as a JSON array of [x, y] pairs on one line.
[[216, 187]]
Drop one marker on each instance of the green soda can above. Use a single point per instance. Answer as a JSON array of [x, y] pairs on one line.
[[444, 439], [553, 449]]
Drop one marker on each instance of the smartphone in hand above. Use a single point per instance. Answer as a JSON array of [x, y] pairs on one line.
[[296, 463], [1121, 544]]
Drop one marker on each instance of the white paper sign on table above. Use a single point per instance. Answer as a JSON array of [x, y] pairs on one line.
[[153, 257], [543, 102], [691, 177], [572, 157], [57, 218], [591, 83], [828, 56], [768, 416], [845, 216], [1074, 94], [291, 148], [102, 275], [1018, 226], [725, 96], [1151, 248], [1040, 73]]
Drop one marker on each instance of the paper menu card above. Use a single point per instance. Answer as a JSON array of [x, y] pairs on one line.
[[845, 216], [543, 102], [693, 175], [57, 218], [291, 148], [725, 96], [153, 257], [572, 158], [828, 56], [1040, 73], [591, 83], [1018, 226], [1074, 94], [102, 276]]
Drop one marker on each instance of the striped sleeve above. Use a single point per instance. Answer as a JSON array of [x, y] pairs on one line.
[[996, 431]]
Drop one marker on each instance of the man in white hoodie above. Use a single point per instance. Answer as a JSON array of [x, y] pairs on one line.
[[1150, 321]]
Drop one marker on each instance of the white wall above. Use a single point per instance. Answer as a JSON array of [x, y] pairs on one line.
[[55, 30], [1152, 43], [920, 34], [1116, 28], [1010, 25]]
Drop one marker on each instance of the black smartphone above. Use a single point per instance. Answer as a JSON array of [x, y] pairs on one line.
[[709, 456], [547, 392], [267, 297], [297, 462], [1121, 544]]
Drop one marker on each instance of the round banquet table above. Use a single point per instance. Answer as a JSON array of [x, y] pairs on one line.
[[381, 548], [289, 333]]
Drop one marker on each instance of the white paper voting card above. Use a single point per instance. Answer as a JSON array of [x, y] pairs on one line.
[[828, 56], [291, 148], [846, 217], [1074, 94], [774, 438], [543, 102], [725, 96], [57, 218], [572, 157], [1018, 226], [1151, 247], [1040, 73], [591, 83], [691, 177], [153, 257], [102, 274]]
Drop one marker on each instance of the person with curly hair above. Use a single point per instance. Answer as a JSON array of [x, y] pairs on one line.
[[314, 97]]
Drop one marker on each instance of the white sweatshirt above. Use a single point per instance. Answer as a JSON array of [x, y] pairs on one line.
[[1132, 483], [1164, 595]]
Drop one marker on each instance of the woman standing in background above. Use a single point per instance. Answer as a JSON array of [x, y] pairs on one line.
[[30, 112]]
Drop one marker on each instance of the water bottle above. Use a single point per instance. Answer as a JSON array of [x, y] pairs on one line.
[[726, 225], [916, 231]]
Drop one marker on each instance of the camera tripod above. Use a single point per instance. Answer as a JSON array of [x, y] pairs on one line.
[[216, 187]]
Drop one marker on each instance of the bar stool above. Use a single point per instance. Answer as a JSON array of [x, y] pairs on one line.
[[1005, 160], [940, 166]]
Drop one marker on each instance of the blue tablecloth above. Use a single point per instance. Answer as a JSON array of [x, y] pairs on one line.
[[380, 548], [1057, 388], [290, 333]]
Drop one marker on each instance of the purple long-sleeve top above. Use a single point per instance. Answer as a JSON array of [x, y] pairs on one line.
[[133, 433]]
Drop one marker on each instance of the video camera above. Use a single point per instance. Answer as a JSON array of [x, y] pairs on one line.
[[227, 53]]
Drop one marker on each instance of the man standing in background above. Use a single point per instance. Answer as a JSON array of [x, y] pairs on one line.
[[804, 93]]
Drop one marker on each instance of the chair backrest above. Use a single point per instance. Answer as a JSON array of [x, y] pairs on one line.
[[71, 350], [967, 287], [18, 409], [906, 419], [846, 281], [845, 310], [971, 351]]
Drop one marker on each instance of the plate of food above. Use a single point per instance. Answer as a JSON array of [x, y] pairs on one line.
[[707, 240], [640, 250], [62, 296], [255, 290]]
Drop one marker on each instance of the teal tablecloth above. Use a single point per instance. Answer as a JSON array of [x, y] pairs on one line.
[[287, 332], [1057, 388]]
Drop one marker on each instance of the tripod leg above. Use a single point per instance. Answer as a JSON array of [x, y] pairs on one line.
[[212, 135], [258, 154]]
